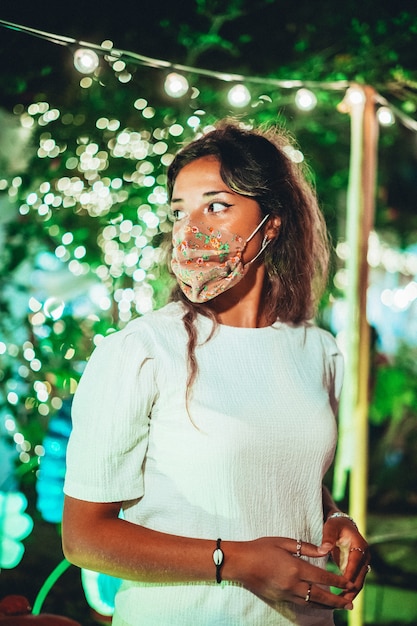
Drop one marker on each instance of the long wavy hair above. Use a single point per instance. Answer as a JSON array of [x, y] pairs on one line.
[[256, 163]]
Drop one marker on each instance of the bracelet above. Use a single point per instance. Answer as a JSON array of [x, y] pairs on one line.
[[345, 515], [218, 558]]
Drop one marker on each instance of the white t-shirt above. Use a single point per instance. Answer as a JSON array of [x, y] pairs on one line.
[[246, 462]]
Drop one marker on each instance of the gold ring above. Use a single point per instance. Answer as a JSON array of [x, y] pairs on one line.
[[308, 594], [358, 549]]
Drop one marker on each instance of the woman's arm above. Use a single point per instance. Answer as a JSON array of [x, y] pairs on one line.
[[329, 505], [94, 537]]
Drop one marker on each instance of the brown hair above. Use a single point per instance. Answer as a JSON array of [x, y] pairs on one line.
[[255, 163]]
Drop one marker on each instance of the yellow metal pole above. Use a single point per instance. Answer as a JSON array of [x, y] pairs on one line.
[[354, 103], [359, 470]]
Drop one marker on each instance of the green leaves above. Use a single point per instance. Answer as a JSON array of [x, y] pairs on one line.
[[394, 395]]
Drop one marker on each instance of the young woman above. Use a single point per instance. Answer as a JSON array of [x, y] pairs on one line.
[[202, 431]]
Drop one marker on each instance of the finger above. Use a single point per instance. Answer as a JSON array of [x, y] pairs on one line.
[[320, 576], [330, 535], [310, 593], [309, 572], [358, 558], [358, 583], [303, 548]]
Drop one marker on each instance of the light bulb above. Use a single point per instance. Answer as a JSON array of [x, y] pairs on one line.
[[176, 85], [86, 61], [355, 95], [305, 99], [385, 116], [239, 96]]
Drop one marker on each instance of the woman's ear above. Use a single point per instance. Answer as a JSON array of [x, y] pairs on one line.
[[273, 226]]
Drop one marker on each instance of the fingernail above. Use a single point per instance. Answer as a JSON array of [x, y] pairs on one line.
[[349, 606]]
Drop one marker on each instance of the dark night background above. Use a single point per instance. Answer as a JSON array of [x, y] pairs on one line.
[[365, 41]]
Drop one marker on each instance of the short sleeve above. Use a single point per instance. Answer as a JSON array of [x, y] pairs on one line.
[[110, 415], [334, 368]]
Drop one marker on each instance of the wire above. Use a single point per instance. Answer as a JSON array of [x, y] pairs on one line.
[[140, 59], [48, 584]]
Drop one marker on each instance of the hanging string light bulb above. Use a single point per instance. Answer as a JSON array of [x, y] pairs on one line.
[[305, 99], [239, 96], [354, 97], [176, 85], [86, 61], [385, 116]]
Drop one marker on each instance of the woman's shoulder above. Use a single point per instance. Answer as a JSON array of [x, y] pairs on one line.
[[145, 330], [325, 337], [169, 316], [313, 337]]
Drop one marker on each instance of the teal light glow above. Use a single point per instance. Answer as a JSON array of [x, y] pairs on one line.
[[15, 525]]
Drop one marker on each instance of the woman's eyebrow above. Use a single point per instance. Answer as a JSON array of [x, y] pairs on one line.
[[207, 194]]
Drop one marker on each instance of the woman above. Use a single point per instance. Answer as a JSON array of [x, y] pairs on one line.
[[211, 422]]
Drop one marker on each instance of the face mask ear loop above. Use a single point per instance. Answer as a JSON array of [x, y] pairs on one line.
[[256, 229], [265, 241], [265, 244]]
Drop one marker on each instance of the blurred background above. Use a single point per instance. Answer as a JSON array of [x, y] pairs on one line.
[[95, 99]]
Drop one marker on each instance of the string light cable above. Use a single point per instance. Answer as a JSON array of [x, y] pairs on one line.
[[407, 121], [143, 60], [86, 58]]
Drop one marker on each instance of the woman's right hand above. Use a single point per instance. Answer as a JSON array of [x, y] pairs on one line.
[[270, 568]]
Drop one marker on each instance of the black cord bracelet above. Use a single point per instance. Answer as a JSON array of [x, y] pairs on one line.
[[218, 558]]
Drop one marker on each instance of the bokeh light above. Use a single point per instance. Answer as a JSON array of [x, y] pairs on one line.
[[86, 61], [239, 96], [305, 99], [176, 85]]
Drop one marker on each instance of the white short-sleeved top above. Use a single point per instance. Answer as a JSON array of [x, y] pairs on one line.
[[247, 460]]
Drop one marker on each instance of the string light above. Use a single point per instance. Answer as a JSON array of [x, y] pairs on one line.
[[354, 94], [354, 97], [86, 61], [239, 96], [305, 99], [176, 85], [385, 116]]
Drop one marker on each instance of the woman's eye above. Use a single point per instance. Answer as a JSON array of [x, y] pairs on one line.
[[216, 207], [177, 215]]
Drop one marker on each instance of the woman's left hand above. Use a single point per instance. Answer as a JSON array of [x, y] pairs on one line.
[[349, 551]]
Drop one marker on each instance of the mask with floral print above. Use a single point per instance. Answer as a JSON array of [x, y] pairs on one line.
[[207, 261]]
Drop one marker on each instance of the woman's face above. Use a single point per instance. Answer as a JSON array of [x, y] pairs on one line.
[[200, 195]]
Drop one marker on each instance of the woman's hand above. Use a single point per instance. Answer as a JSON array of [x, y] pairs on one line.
[[270, 568], [349, 551]]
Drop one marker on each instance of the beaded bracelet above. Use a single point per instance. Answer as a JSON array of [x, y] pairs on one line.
[[340, 514], [218, 558]]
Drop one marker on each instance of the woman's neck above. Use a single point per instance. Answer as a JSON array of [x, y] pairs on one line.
[[244, 304]]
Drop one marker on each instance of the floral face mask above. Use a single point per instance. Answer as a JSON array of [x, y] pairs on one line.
[[207, 261]]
